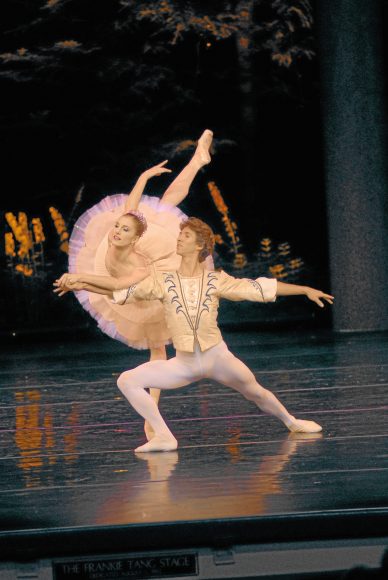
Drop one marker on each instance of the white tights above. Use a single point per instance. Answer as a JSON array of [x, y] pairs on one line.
[[177, 191], [216, 363]]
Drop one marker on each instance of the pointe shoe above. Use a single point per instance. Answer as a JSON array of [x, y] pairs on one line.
[[158, 444], [302, 426], [203, 146]]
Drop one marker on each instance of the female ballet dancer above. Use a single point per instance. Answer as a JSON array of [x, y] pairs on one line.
[[119, 241]]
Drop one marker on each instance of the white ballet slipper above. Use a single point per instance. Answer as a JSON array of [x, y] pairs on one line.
[[303, 426], [158, 444]]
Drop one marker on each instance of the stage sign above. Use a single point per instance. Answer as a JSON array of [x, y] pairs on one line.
[[124, 568]]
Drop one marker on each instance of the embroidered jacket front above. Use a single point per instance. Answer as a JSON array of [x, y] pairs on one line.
[[191, 304]]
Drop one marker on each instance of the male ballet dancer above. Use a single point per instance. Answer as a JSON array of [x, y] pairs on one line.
[[190, 297]]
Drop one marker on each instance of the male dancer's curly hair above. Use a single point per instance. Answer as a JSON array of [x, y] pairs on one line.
[[204, 233]]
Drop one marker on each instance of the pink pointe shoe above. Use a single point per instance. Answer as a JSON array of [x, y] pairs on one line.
[[203, 146]]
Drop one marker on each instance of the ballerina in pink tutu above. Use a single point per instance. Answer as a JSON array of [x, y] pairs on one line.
[[118, 242]]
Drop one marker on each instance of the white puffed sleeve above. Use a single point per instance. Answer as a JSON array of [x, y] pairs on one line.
[[147, 289], [259, 290]]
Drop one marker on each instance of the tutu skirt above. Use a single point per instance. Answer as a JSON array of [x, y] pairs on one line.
[[140, 325]]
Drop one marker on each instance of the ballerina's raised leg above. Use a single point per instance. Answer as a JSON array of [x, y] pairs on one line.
[[179, 188]]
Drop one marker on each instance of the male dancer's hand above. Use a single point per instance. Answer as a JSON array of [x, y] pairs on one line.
[[285, 289], [317, 296]]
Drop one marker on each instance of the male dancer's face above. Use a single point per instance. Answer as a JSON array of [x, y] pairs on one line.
[[187, 243]]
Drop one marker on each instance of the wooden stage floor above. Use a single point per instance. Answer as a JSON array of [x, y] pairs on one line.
[[68, 470]]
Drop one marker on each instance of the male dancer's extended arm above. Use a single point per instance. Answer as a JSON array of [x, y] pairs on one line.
[[266, 290], [285, 289]]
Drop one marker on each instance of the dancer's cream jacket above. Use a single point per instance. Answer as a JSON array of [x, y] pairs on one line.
[[190, 320]]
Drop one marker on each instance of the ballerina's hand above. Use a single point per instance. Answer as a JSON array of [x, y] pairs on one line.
[[68, 280], [317, 296], [156, 170], [62, 289]]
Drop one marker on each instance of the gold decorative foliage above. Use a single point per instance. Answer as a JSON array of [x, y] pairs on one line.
[[240, 260], [265, 247], [24, 269], [38, 230], [9, 245], [24, 243], [278, 271], [60, 226], [218, 239], [68, 44], [284, 249], [21, 232], [229, 225]]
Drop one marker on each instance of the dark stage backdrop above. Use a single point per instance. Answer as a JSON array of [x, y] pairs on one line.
[[96, 92]]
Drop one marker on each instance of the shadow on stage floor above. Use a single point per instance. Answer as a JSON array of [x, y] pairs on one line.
[[71, 484]]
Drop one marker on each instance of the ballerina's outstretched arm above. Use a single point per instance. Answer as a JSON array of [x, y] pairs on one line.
[[134, 197], [76, 286], [179, 188]]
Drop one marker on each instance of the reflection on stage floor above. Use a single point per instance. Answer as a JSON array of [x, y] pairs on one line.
[[67, 436]]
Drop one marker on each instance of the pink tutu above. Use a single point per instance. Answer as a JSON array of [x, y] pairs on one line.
[[141, 325]]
